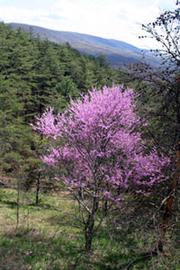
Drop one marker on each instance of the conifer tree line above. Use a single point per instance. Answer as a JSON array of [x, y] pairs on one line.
[[35, 74]]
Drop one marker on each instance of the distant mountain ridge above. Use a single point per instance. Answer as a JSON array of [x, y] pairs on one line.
[[118, 53]]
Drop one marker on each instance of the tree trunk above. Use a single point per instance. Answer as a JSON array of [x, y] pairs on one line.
[[89, 233], [81, 193], [38, 188], [105, 208], [89, 227], [168, 209], [18, 203]]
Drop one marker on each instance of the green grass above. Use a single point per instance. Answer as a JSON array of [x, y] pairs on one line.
[[49, 237]]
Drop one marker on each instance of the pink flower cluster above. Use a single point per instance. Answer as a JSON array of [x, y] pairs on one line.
[[100, 145]]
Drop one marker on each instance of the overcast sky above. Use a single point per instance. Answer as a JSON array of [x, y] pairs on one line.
[[117, 19]]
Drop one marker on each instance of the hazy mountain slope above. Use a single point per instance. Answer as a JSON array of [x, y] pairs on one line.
[[117, 52]]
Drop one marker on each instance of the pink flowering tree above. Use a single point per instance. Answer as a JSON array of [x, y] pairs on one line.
[[100, 152]]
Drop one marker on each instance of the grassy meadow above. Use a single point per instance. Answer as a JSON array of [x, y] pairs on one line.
[[49, 237]]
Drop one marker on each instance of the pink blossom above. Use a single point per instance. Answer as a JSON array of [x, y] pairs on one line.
[[100, 144]]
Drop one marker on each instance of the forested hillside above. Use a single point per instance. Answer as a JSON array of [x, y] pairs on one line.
[[35, 74], [118, 53]]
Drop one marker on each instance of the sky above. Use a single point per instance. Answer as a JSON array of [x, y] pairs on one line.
[[114, 19]]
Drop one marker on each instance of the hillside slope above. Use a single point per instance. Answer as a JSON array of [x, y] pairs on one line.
[[117, 52]]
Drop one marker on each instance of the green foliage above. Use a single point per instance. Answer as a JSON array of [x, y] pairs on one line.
[[35, 74]]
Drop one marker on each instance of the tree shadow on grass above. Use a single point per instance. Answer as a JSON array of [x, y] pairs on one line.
[[64, 219], [10, 204], [13, 204], [44, 206]]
